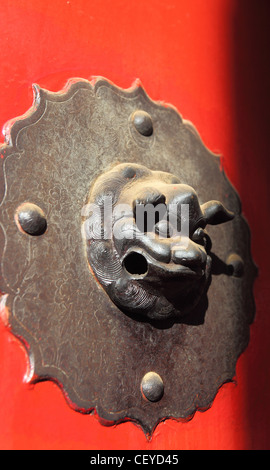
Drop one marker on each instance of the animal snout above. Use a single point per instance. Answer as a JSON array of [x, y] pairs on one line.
[[192, 256]]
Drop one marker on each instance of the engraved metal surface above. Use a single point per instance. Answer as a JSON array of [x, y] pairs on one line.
[[73, 332]]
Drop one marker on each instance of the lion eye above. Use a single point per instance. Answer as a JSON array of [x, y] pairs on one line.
[[147, 216], [164, 229]]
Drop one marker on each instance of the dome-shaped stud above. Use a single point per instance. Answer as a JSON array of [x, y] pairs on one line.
[[142, 122], [152, 387], [235, 265], [31, 219]]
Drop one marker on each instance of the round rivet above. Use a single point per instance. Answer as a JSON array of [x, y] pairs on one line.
[[31, 219], [129, 172], [235, 265], [142, 122], [152, 387]]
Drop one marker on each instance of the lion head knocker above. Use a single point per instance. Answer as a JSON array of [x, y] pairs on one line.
[[115, 272], [146, 240]]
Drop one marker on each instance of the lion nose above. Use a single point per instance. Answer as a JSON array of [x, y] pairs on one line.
[[192, 255]]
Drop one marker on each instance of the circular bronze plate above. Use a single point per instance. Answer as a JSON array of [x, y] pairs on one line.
[[73, 332]]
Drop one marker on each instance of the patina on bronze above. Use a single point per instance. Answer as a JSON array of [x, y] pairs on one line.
[[146, 265], [58, 300]]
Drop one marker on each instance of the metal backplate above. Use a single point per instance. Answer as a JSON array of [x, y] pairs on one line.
[[74, 334]]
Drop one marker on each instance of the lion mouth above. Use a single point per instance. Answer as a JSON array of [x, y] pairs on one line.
[[139, 265]]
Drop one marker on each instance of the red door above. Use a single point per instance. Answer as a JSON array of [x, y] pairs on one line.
[[209, 58]]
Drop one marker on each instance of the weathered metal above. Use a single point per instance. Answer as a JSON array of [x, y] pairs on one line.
[[146, 241], [74, 333], [152, 387], [31, 219]]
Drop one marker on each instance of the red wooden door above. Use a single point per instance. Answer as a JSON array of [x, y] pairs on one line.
[[209, 58]]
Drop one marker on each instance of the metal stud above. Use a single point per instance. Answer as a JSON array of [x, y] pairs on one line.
[[235, 265], [31, 219], [142, 122], [152, 387]]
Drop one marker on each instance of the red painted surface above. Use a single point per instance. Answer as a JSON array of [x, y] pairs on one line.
[[209, 59]]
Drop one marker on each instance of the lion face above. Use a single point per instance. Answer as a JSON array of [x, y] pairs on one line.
[[146, 241]]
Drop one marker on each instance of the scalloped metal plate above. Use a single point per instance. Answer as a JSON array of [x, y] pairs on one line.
[[73, 333]]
